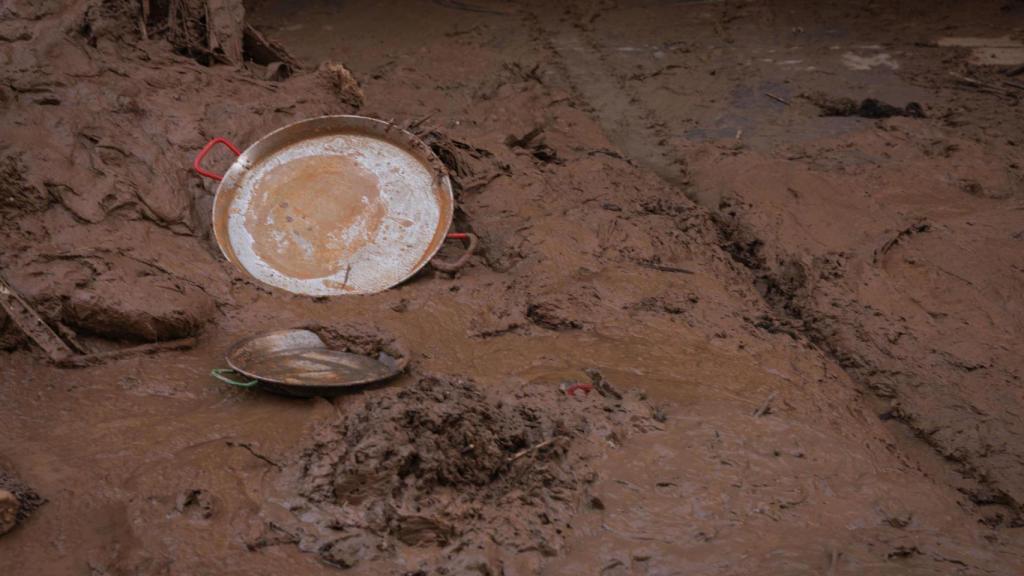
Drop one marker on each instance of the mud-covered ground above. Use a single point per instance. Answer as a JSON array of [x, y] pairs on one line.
[[805, 311]]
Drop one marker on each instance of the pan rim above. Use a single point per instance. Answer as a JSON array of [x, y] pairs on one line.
[[232, 352], [328, 125]]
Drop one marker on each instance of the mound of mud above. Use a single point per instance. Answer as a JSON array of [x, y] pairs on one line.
[[475, 480], [365, 340]]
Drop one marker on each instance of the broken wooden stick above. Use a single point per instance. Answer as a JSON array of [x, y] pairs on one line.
[[765, 406], [1014, 84], [529, 450], [983, 86], [83, 360], [249, 448], [32, 324]]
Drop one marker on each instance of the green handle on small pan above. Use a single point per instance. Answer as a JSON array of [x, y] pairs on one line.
[[219, 374]]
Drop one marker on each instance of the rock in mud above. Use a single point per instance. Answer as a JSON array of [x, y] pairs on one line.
[[17, 501], [447, 467], [9, 507]]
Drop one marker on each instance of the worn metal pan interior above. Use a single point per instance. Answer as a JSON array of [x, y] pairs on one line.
[[333, 205], [297, 361]]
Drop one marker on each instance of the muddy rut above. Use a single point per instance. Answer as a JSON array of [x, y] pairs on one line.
[[861, 235], [799, 331]]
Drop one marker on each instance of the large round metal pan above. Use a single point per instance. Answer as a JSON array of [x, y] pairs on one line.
[[332, 205], [296, 362]]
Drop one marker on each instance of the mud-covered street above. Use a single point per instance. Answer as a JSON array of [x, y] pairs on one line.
[[747, 297]]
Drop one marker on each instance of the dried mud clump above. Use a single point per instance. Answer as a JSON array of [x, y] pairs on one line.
[[442, 465]]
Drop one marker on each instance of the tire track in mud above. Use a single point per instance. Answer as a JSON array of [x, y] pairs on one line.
[[578, 55], [583, 62]]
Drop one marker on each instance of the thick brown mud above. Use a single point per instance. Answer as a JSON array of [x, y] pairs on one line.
[[441, 476], [805, 327]]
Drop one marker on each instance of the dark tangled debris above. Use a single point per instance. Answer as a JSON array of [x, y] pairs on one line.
[[866, 108], [444, 465]]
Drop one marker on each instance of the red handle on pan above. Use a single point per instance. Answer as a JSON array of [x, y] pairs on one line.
[[450, 267], [197, 163]]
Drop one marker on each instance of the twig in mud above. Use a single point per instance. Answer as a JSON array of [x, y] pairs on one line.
[[81, 361], [458, 32], [525, 140], [765, 407], [979, 85], [143, 16], [664, 268], [917, 228], [529, 450], [628, 484], [417, 123], [634, 536], [348, 270], [266, 85], [1015, 71], [658, 72], [833, 562], [220, 58], [248, 447], [468, 7], [777, 98], [533, 75]]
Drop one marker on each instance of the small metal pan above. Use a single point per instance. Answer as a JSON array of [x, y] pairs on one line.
[[333, 205], [297, 362]]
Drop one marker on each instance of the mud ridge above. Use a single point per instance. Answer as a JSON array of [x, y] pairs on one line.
[[782, 287]]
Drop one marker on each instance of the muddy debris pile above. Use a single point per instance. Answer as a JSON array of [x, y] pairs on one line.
[[472, 478], [867, 108], [106, 228]]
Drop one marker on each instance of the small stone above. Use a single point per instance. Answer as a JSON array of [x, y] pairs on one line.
[[9, 506]]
